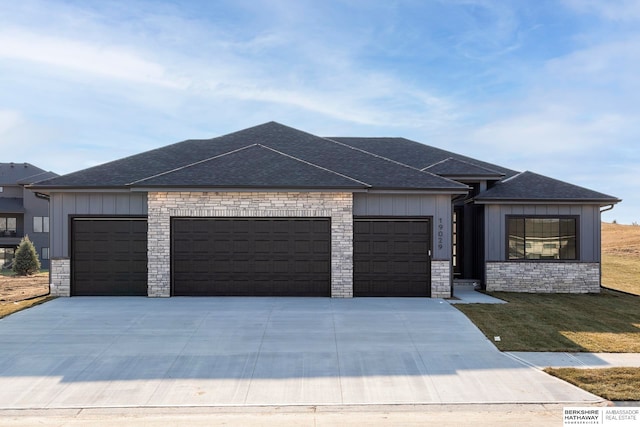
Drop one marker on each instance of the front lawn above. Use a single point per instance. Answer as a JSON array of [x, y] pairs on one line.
[[605, 322], [610, 383]]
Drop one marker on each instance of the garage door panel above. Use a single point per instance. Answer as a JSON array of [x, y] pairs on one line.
[[266, 256], [391, 257], [323, 247], [109, 256]]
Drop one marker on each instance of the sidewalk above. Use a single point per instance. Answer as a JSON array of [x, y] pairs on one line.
[[541, 360], [466, 294]]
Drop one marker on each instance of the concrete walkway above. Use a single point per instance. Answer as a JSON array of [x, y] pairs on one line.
[[466, 294], [142, 352], [541, 360]]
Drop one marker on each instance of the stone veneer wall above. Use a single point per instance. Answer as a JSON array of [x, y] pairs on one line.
[[60, 277], [440, 279], [164, 205], [544, 277]]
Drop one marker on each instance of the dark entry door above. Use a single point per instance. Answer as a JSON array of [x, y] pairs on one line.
[[251, 256], [109, 256], [392, 257]]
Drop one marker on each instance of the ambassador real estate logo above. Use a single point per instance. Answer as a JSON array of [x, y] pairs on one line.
[[601, 416]]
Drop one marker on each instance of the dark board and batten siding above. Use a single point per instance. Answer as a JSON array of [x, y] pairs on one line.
[[436, 207], [65, 205], [588, 234]]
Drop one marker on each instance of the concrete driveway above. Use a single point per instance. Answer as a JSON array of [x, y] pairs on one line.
[[121, 352]]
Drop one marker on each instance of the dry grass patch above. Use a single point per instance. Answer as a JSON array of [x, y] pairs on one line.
[[621, 272], [605, 322], [7, 308], [621, 257], [17, 288], [610, 383], [20, 292]]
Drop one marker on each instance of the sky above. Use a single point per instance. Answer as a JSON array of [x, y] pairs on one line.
[[547, 86]]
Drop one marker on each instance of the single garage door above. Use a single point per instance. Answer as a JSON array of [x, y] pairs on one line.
[[109, 256], [392, 257], [251, 256]]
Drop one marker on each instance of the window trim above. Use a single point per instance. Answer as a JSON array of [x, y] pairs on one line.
[[43, 222], [5, 231], [576, 218]]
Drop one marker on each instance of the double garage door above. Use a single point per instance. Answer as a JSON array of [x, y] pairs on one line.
[[251, 257]]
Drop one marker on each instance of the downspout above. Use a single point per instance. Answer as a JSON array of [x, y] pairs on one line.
[[606, 208], [42, 196]]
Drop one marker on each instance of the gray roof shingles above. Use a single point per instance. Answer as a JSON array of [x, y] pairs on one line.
[[413, 153], [272, 155], [529, 186], [321, 152], [459, 168], [254, 166], [12, 173]]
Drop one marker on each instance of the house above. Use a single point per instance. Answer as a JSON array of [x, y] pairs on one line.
[[22, 212], [272, 210]]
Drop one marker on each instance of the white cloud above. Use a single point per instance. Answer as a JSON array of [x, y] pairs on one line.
[[615, 10], [108, 61], [9, 119]]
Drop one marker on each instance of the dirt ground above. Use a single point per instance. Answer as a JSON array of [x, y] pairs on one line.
[[18, 288]]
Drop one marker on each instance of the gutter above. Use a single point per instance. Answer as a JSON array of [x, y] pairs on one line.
[[607, 208], [42, 196]]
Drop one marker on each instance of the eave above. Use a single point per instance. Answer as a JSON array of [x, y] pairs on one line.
[[600, 202]]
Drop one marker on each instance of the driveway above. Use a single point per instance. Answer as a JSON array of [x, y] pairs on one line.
[[121, 352]]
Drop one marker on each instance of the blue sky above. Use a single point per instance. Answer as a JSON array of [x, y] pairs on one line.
[[547, 86]]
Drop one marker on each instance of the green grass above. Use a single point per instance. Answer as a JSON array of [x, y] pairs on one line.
[[605, 322], [610, 383]]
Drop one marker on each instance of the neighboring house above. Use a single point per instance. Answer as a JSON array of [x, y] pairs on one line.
[[272, 210], [22, 212]]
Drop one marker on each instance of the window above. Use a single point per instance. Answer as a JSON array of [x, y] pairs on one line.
[[8, 227], [544, 238], [40, 224], [45, 253], [6, 256]]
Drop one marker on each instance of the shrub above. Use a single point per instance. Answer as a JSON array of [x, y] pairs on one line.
[[25, 261]]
